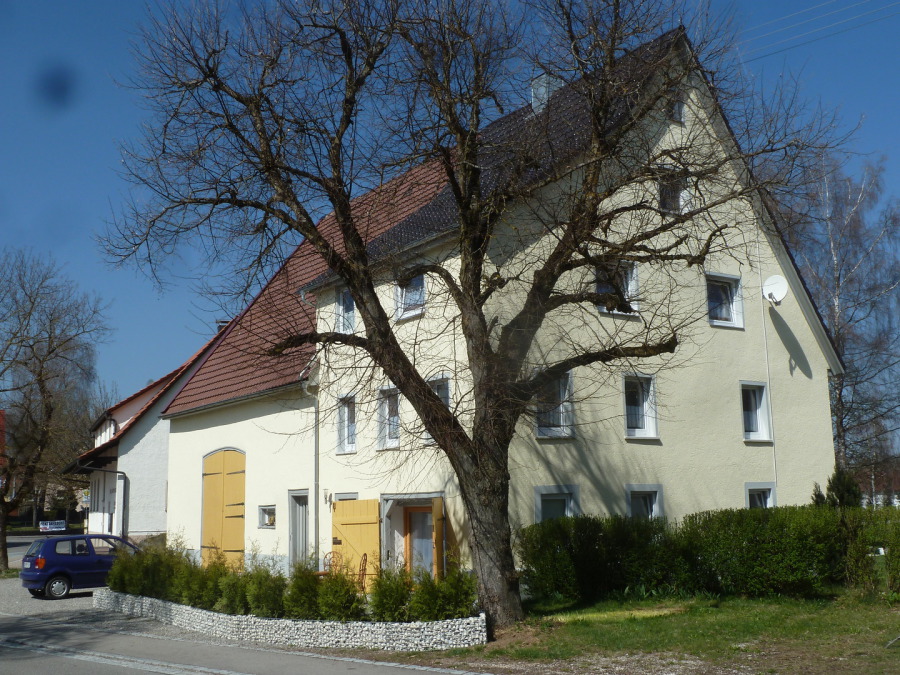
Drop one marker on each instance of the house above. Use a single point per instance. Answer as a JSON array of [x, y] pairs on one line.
[[128, 465], [310, 453]]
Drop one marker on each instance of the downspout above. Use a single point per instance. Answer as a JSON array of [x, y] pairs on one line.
[[124, 476], [315, 495]]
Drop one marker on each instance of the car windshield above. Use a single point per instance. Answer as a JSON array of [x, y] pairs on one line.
[[35, 547]]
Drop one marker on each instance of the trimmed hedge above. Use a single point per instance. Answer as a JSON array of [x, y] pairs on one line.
[[169, 573], [801, 551]]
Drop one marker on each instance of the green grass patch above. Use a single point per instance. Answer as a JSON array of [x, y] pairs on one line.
[[9, 574], [847, 634]]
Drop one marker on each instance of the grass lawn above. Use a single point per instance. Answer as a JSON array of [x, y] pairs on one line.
[[844, 635], [9, 574]]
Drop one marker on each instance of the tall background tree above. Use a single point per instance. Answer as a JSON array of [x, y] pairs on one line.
[[48, 334], [269, 118], [846, 237]]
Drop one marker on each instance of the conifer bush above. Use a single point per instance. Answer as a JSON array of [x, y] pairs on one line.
[[301, 600]]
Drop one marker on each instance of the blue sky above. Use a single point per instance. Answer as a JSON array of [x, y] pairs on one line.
[[62, 114]]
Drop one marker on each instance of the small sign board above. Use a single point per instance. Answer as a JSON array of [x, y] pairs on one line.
[[53, 526]]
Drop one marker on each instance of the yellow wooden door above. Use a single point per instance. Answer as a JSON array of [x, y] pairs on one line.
[[223, 506], [356, 530]]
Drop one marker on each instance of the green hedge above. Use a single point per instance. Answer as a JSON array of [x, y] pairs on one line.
[[802, 551], [169, 573]]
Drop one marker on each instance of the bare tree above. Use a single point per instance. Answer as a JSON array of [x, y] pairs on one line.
[[269, 119], [847, 242], [48, 331]]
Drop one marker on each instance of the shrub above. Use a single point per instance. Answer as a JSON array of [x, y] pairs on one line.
[[301, 601], [391, 593], [452, 597], [233, 597], [842, 490], [340, 598], [892, 549], [265, 591]]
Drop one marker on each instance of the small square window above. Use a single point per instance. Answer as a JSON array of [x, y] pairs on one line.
[[723, 301], [346, 425], [411, 298], [640, 407], [672, 193], [555, 409], [267, 516], [644, 501], [759, 495], [346, 313], [555, 501], [389, 419], [755, 412], [618, 281]]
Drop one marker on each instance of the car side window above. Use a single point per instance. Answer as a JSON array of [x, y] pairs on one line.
[[64, 547], [81, 547], [103, 546]]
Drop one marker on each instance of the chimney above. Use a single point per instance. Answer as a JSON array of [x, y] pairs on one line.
[[542, 88]]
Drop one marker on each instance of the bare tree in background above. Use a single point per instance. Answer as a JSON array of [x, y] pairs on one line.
[[48, 333], [271, 118], [847, 244]]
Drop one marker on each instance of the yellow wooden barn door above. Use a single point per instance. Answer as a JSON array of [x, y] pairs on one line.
[[223, 506], [356, 530]]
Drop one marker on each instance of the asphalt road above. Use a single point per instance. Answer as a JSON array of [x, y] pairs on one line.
[[49, 637], [16, 547]]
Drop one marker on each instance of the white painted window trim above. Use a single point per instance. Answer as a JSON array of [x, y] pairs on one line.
[[402, 313], [345, 322], [632, 276], [753, 487], [651, 418], [441, 377], [345, 496], [263, 517], [644, 488], [343, 446], [567, 405], [572, 493], [764, 415], [384, 442], [737, 300]]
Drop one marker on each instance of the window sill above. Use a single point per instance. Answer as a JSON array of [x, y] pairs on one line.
[[636, 314], [653, 438], [726, 324], [411, 314], [384, 448], [266, 527], [345, 451], [561, 436], [758, 441]]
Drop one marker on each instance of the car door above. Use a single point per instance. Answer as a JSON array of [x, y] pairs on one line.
[[103, 555], [74, 558]]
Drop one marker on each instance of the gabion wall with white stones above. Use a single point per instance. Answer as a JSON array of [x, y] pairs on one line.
[[409, 637]]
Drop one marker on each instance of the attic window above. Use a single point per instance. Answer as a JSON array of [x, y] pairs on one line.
[[672, 192], [675, 106]]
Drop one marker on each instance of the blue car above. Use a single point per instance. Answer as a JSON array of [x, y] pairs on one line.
[[55, 565]]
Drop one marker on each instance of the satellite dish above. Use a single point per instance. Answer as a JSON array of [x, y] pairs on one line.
[[775, 289]]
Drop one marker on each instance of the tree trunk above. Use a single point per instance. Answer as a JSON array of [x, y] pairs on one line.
[[485, 492]]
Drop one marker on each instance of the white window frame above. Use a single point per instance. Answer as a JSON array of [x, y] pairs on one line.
[[763, 431], [402, 297], [346, 427], [756, 488], [669, 177], [571, 493], [649, 409], [267, 517], [563, 387], [737, 302], [345, 316], [433, 382], [627, 274], [675, 101], [386, 439], [636, 489]]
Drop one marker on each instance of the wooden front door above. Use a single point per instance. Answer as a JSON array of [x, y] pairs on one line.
[[222, 525], [356, 530]]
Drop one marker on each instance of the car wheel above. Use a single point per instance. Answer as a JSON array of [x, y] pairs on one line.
[[36, 592], [57, 588]]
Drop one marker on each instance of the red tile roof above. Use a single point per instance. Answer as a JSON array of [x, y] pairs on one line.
[[239, 365]]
